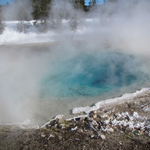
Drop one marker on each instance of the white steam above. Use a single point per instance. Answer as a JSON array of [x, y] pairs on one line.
[[123, 27], [20, 10]]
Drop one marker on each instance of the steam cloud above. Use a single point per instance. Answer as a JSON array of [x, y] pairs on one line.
[[121, 27]]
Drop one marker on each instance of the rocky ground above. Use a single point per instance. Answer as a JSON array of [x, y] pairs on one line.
[[123, 126]]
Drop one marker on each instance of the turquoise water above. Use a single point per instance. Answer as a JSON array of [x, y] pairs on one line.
[[91, 74]]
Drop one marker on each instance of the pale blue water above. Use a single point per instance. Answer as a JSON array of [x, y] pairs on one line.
[[87, 74]]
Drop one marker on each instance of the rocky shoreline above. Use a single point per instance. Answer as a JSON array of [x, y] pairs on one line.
[[121, 126], [132, 116]]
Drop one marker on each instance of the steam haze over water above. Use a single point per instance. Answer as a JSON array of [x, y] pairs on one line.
[[106, 56]]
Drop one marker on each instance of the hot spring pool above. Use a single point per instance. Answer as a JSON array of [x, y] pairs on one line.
[[38, 84], [90, 75]]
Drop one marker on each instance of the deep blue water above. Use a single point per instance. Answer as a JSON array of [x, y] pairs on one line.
[[86, 74]]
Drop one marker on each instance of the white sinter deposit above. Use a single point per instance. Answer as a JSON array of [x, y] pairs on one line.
[[124, 98]]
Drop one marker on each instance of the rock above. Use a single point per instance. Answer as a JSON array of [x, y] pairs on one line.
[[56, 125], [104, 115], [110, 129], [48, 126], [88, 132], [73, 129], [111, 117], [92, 136], [69, 120], [126, 105], [141, 132], [146, 108], [116, 128], [59, 116], [106, 122], [43, 135], [102, 136], [109, 111], [94, 123], [80, 130], [95, 116], [121, 132], [62, 126], [67, 125], [77, 139], [51, 136], [91, 127]]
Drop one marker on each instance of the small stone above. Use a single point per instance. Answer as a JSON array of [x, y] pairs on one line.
[[94, 123], [116, 128], [59, 116], [80, 130], [51, 136], [48, 126], [111, 130], [128, 129], [74, 129], [104, 115], [141, 132], [111, 117], [62, 125], [94, 116], [68, 120], [103, 136], [67, 126], [106, 122], [92, 136], [56, 125], [72, 124], [146, 108], [43, 135], [88, 132], [77, 139]]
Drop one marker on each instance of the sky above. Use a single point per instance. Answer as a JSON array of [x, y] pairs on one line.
[[87, 1], [3, 2]]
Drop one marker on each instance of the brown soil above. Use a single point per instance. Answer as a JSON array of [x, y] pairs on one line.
[[18, 139]]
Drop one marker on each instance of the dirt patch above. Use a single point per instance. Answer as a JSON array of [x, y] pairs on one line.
[[11, 138]]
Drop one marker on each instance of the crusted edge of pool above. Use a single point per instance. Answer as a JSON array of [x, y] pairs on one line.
[[127, 97]]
